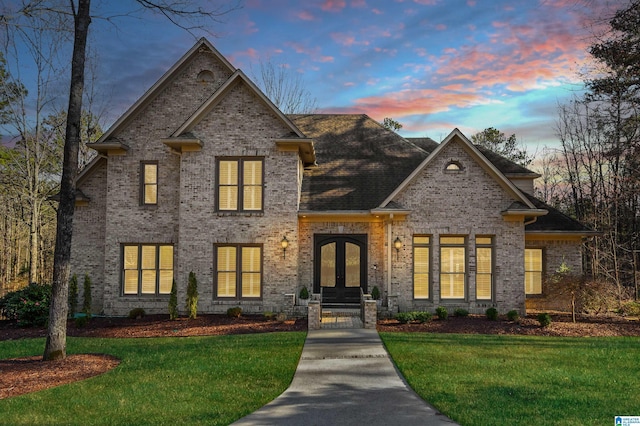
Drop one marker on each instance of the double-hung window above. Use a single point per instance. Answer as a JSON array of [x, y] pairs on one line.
[[149, 183], [484, 268], [421, 266], [453, 260], [238, 271], [533, 271], [147, 269], [240, 184]]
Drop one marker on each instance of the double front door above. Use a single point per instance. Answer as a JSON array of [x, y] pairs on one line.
[[340, 267]]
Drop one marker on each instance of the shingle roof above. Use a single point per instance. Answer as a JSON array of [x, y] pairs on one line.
[[359, 162], [555, 220]]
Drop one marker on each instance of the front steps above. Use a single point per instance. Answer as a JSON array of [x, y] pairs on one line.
[[340, 317]]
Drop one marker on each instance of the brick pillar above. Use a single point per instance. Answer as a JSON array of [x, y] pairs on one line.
[[314, 315], [370, 314]]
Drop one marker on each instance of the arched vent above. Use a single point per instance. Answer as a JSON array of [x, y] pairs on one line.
[[454, 166], [205, 76]]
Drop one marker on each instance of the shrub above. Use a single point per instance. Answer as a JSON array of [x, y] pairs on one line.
[[513, 315], [192, 296], [81, 322], [631, 309], [173, 301], [304, 293], [375, 293], [28, 306], [404, 317], [234, 312], [73, 295], [281, 317], [492, 314], [86, 299], [422, 317], [442, 312], [459, 312], [136, 313], [544, 319], [269, 315]]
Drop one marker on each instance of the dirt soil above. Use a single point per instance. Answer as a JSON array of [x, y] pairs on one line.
[[24, 375]]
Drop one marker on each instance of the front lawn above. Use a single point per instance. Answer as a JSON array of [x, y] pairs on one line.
[[516, 380], [196, 380]]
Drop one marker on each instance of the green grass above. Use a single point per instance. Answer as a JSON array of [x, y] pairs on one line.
[[195, 380], [517, 380]]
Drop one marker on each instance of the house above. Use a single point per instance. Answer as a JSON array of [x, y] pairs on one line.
[[204, 174]]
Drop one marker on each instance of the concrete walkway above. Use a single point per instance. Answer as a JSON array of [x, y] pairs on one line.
[[345, 377]]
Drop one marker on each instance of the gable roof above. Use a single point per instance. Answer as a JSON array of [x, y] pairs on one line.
[[555, 222], [480, 159]]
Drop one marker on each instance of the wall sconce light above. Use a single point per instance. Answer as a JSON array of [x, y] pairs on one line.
[[284, 243], [398, 245]]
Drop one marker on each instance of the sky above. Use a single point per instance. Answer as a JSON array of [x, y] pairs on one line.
[[432, 65]]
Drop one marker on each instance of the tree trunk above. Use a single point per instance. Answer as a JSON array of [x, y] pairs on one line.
[[56, 345]]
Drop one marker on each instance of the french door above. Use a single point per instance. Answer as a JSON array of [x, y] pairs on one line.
[[340, 267]]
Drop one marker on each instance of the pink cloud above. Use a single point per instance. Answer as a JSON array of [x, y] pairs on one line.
[[426, 2], [333, 5], [358, 3], [376, 11], [305, 15], [441, 27]]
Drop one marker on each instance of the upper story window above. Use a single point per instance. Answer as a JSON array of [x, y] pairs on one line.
[[453, 166], [240, 184], [453, 267], [149, 183]]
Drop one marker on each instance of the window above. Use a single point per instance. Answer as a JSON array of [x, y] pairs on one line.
[[421, 266], [452, 267], [238, 271], [240, 184], [149, 184], [147, 269], [453, 166], [533, 271], [484, 268]]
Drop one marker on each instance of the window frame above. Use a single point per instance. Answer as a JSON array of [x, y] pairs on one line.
[[541, 272], [490, 246], [144, 184], [466, 266], [240, 185], [140, 269], [238, 271], [428, 246]]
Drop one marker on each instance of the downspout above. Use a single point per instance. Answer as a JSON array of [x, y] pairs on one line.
[[531, 221]]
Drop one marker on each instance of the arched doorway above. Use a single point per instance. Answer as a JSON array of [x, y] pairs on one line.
[[340, 267]]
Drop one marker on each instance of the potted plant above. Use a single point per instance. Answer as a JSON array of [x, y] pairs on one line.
[[303, 296], [375, 295]]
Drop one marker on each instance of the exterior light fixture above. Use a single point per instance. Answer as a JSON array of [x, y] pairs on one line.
[[398, 245], [284, 243]]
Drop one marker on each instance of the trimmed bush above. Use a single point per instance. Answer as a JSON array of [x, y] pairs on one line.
[[513, 315], [28, 306], [442, 313], [422, 317], [459, 312], [234, 312], [375, 293], [404, 317], [136, 313], [304, 293], [544, 319], [192, 296], [73, 295], [492, 314], [86, 298], [173, 301], [269, 316]]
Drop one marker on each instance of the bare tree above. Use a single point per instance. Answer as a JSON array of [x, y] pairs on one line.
[[285, 88]]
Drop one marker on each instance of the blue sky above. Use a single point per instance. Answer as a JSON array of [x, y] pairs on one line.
[[432, 65]]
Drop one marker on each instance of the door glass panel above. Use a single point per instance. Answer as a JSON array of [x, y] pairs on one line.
[[352, 265], [328, 265]]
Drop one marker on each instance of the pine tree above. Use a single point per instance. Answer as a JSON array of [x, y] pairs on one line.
[[192, 296], [173, 301]]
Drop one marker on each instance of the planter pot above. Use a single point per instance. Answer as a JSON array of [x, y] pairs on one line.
[[303, 302]]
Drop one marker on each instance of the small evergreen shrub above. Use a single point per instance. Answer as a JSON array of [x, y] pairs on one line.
[[513, 315], [192, 296], [544, 319], [234, 312], [136, 313], [86, 300], [73, 295], [28, 306], [492, 314], [422, 317], [269, 316], [404, 317], [173, 301], [375, 293], [459, 312], [81, 322], [304, 293], [442, 313]]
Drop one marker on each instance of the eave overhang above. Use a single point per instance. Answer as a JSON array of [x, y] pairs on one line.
[[374, 215], [181, 145], [304, 146], [109, 148], [560, 235]]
